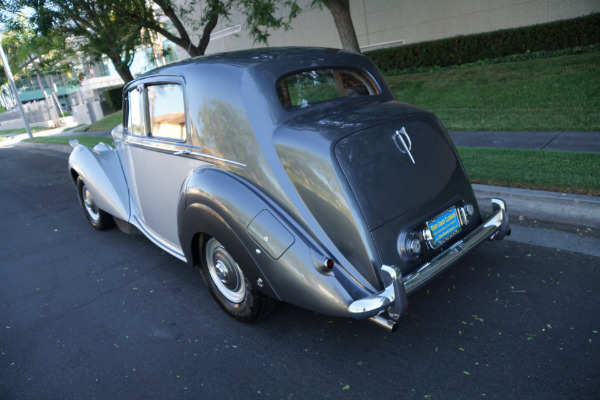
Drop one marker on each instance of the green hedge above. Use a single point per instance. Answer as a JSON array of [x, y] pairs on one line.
[[564, 34], [114, 97]]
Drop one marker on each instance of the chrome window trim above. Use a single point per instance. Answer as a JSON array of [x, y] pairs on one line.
[[157, 82], [127, 109], [175, 141], [142, 85], [157, 143]]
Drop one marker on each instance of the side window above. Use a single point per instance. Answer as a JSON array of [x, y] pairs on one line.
[[134, 119], [167, 111]]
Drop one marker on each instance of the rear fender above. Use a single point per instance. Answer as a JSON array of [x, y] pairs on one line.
[[102, 173], [265, 242]]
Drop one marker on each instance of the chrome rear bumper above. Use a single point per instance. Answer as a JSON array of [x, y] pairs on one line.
[[393, 298]]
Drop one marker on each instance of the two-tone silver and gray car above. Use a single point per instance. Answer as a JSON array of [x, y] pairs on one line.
[[288, 174]]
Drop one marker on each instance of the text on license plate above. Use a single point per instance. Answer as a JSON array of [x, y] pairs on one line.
[[443, 226]]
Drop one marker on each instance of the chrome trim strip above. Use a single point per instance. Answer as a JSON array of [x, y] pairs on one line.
[[155, 143], [187, 153], [176, 149], [239, 164], [393, 297], [166, 246]]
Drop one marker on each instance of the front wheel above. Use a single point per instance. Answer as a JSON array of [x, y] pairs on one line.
[[228, 285], [99, 219]]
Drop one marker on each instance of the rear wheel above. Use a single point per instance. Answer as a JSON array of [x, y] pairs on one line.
[[228, 285], [99, 219]]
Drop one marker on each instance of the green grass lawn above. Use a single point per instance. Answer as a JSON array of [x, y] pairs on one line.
[[553, 94], [105, 124], [560, 171]]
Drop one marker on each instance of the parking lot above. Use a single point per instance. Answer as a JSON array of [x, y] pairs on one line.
[[105, 315]]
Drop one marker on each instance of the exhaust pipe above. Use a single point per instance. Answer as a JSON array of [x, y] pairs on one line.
[[385, 323]]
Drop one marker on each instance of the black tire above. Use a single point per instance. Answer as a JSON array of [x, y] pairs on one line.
[[228, 285], [99, 219]]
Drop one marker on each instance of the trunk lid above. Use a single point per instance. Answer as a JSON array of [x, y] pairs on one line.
[[399, 165]]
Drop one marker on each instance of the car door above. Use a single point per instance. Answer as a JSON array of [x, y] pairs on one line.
[[159, 156]]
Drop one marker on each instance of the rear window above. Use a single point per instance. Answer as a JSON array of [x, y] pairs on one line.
[[305, 88]]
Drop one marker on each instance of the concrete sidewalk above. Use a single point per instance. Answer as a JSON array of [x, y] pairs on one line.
[[92, 133], [588, 142]]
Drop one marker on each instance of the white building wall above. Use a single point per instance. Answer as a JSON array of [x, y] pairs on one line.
[[382, 21]]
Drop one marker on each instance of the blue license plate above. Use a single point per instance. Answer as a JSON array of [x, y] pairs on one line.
[[444, 226]]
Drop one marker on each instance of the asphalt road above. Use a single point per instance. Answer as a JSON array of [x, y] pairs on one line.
[[104, 315]]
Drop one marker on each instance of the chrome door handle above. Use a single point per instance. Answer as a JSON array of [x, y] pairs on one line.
[[182, 153]]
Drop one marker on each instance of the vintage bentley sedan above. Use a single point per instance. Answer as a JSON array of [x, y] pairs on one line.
[[288, 174]]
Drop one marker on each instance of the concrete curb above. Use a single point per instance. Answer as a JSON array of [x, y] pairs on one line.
[[564, 208], [587, 142]]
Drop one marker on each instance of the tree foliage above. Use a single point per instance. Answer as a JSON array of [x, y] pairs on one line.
[[94, 28], [30, 53], [179, 22], [118, 28]]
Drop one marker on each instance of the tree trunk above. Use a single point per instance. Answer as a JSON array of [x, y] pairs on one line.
[[340, 10], [184, 40], [122, 69]]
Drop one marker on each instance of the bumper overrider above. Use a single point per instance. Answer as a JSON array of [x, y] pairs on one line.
[[393, 299]]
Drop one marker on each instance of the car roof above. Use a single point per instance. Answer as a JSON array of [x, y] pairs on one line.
[[277, 57], [246, 73]]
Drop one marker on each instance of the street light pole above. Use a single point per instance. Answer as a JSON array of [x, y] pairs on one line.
[[14, 90]]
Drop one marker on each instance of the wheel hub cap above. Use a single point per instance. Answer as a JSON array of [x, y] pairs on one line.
[[90, 206], [224, 272], [221, 271]]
